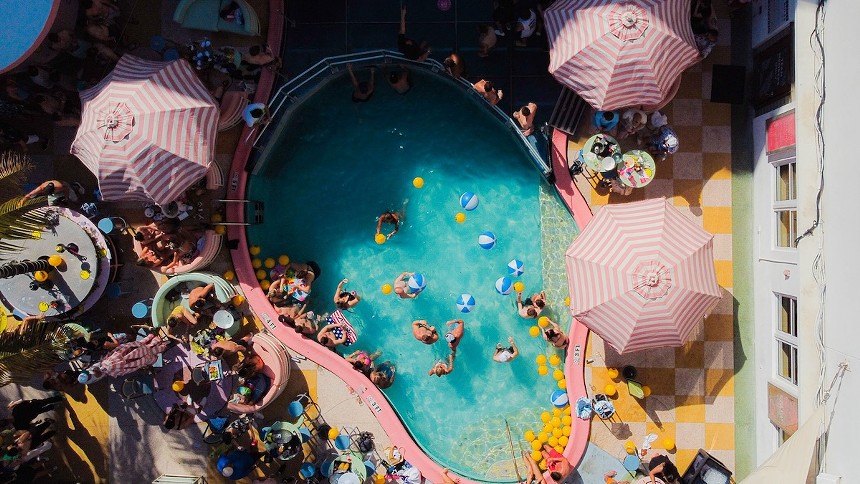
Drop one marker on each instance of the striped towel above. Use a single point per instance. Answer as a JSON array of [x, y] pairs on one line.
[[338, 317]]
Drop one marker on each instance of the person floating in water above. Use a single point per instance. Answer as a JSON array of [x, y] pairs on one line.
[[505, 354], [388, 217], [401, 286], [532, 306], [345, 299], [455, 334], [440, 368], [362, 91], [424, 332]]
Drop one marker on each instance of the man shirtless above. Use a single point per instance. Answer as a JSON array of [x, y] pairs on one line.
[[526, 116], [485, 88], [388, 217]]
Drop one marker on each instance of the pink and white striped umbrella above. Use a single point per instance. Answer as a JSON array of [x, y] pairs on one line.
[[641, 275], [618, 53], [147, 130]]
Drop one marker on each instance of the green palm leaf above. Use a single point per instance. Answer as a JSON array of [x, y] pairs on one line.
[[24, 356], [18, 220]]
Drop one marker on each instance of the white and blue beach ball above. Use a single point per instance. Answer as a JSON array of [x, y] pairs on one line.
[[469, 201], [487, 240], [504, 285], [559, 399], [516, 267], [416, 283], [465, 303]]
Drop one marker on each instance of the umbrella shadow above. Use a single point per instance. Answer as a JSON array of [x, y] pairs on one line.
[[718, 359]]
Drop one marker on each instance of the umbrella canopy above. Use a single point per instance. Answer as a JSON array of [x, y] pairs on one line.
[[641, 275], [129, 357], [617, 53], [147, 130]]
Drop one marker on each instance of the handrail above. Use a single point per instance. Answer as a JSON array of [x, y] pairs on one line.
[[301, 85]]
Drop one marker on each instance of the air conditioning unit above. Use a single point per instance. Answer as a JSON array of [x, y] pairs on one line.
[[828, 479]]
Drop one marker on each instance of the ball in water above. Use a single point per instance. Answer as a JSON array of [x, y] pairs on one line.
[[529, 435], [558, 399], [465, 303], [386, 289], [504, 286], [554, 360], [460, 217], [416, 283], [543, 321], [269, 263], [264, 285], [229, 275], [469, 201], [255, 250], [487, 240], [519, 286], [379, 238], [261, 274], [543, 370], [417, 182], [534, 331], [284, 260], [256, 263], [540, 359], [516, 267]]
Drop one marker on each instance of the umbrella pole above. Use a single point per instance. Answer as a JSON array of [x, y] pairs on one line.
[[513, 456]]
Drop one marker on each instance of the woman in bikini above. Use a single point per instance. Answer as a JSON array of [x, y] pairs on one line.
[[362, 361], [531, 307], [555, 335], [344, 299]]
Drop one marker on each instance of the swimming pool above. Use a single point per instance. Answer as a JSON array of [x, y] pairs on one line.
[[337, 165]]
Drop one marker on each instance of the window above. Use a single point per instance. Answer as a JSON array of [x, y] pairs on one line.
[[782, 435], [785, 198], [786, 338]]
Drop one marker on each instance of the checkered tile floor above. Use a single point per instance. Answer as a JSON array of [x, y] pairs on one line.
[[692, 387]]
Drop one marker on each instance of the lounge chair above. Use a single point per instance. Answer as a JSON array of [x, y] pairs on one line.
[[209, 246]]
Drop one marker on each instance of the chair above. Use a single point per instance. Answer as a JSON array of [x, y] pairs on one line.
[[109, 224], [302, 407], [633, 464], [114, 290], [141, 309], [136, 387], [215, 429]]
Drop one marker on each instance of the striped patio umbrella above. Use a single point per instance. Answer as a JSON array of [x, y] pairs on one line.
[[641, 275], [618, 53], [147, 130]]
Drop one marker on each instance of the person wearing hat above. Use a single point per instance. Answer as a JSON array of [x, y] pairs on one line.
[[238, 463]]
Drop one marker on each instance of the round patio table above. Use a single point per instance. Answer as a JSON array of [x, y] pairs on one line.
[[636, 169], [595, 162]]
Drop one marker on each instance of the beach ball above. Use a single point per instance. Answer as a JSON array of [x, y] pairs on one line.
[[504, 286], [529, 435], [630, 447], [554, 360], [465, 303], [379, 238], [519, 286], [536, 455], [220, 229], [543, 321], [558, 374], [558, 399], [333, 433], [178, 386], [469, 201], [229, 275], [417, 182], [542, 370], [540, 359], [261, 274], [255, 250], [460, 217], [536, 446], [264, 285], [416, 283], [668, 444], [562, 384], [545, 417], [552, 441], [534, 331], [40, 276], [55, 261], [612, 373], [487, 240], [256, 263], [543, 437], [284, 259], [269, 263], [516, 267], [386, 289]]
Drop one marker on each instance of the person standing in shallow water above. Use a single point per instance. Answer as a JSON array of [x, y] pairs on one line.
[[362, 91]]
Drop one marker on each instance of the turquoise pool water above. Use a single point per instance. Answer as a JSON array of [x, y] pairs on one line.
[[337, 165]]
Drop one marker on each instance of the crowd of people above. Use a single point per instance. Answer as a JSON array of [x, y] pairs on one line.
[[25, 436], [166, 243]]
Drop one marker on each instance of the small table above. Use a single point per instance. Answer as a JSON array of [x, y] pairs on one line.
[[224, 319], [595, 162], [636, 169]]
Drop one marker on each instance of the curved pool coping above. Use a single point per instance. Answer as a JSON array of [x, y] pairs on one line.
[[369, 393], [37, 39]]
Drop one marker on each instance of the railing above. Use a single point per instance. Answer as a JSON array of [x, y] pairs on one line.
[[307, 82]]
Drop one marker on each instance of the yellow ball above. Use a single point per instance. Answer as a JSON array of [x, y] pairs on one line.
[[460, 217], [552, 441], [612, 373], [562, 441], [559, 449], [261, 274], [256, 263], [558, 374], [668, 444], [540, 359], [229, 275], [55, 261], [386, 289], [529, 435], [220, 229], [536, 455], [566, 410], [379, 479], [255, 250], [264, 285], [556, 412], [555, 422], [178, 386], [630, 447], [333, 433], [379, 238], [567, 301], [566, 420], [543, 321], [284, 259], [542, 465], [610, 390], [646, 390], [40, 276], [216, 217], [519, 286], [269, 263], [545, 417], [554, 360], [557, 432], [536, 445], [534, 331], [565, 431], [542, 437], [562, 384], [542, 370], [547, 429], [417, 182]]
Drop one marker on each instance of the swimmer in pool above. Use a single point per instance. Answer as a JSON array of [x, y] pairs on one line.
[[388, 217], [440, 368], [362, 91], [506, 354], [447, 479], [401, 288], [455, 334], [553, 334], [532, 306], [424, 333], [344, 299], [400, 80]]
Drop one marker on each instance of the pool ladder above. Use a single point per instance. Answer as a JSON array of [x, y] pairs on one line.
[[257, 217]]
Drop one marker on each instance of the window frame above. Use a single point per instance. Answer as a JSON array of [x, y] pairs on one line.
[[778, 159], [782, 338]]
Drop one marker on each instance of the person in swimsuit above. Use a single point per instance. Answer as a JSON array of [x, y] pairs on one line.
[[362, 91], [485, 88], [388, 217], [557, 465], [454, 65], [526, 117], [411, 49], [555, 335], [401, 287], [447, 479], [203, 300], [309, 272], [424, 333], [329, 338], [362, 361], [383, 375], [535, 474], [400, 80], [455, 334], [505, 354], [440, 368], [531, 307], [277, 295], [344, 299], [302, 322]]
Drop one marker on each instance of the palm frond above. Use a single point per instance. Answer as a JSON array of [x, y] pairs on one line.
[[18, 221], [26, 355], [13, 168]]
